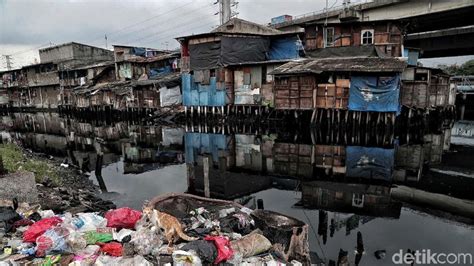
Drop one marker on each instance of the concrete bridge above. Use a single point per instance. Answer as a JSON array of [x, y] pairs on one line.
[[438, 27]]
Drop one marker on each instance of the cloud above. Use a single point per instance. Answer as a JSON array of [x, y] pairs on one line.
[[152, 23]]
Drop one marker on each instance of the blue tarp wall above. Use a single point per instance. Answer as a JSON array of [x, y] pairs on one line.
[[203, 143], [377, 94], [370, 162], [196, 94], [285, 48]]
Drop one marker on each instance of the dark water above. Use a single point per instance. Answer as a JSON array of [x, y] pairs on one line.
[[400, 191]]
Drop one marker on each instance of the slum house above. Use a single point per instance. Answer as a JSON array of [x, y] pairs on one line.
[[229, 66], [350, 26], [79, 76], [424, 89], [130, 96], [336, 86], [133, 63], [10, 81], [40, 83], [146, 80]]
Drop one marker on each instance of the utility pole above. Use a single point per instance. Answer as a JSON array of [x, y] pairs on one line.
[[8, 61], [225, 11]]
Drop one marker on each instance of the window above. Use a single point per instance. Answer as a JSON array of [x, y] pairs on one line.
[[358, 200], [328, 37], [367, 37]]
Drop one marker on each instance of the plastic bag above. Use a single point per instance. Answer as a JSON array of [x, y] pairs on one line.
[[86, 256], [113, 249], [53, 240], [122, 234], [146, 241], [181, 258], [206, 250], [88, 222], [46, 213], [38, 228], [93, 237], [76, 242], [224, 250], [137, 261], [104, 260], [51, 260], [122, 218], [251, 245]]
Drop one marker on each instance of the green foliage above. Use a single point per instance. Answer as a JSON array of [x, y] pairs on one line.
[[465, 69], [14, 160]]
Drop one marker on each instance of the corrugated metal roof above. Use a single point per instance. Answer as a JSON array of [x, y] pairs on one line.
[[349, 64]]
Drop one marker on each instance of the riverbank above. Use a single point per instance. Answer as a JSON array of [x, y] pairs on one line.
[[59, 186]]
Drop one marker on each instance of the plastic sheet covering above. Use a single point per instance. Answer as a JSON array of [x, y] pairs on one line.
[[197, 94], [370, 162], [372, 93], [172, 136], [170, 96], [159, 71], [237, 50], [286, 48], [204, 55], [139, 51], [200, 143]]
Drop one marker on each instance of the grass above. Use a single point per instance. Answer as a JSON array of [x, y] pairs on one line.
[[14, 160]]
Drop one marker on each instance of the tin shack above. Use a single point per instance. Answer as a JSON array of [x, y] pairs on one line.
[[229, 66], [338, 85]]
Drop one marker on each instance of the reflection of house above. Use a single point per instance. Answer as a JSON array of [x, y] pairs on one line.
[[230, 65], [292, 160], [370, 162], [360, 199], [331, 158], [162, 148]]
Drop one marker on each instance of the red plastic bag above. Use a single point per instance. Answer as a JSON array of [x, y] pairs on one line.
[[224, 251], [122, 218], [113, 249], [38, 228]]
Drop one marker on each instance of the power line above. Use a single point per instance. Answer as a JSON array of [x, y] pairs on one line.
[[170, 36], [141, 22], [31, 49], [186, 23], [171, 27]]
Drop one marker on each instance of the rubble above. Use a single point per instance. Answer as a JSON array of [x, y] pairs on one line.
[[130, 237]]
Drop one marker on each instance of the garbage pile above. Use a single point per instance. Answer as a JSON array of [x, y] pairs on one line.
[[129, 237]]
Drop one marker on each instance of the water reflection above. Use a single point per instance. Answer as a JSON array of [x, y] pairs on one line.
[[359, 194]]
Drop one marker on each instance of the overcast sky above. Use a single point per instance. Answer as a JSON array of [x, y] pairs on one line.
[[26, 25]]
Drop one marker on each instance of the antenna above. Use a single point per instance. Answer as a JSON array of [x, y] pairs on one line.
[[106, 41]]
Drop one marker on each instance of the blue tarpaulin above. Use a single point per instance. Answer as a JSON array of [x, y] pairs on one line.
[[370, 162], [372, 93], [203, 143], [159, 71], [197, 94], [138, 51], [286, 48]]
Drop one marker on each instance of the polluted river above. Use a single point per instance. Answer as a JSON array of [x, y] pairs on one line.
[[399, 192]]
